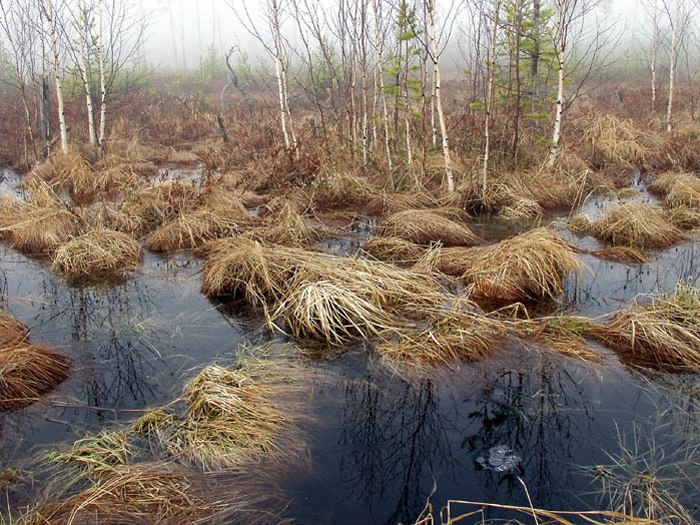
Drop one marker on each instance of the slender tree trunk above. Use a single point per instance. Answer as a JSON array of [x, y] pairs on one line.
[[363, 74], [101, 66], [45, 112], [437, 81], [380, 74], [561, 49], [173, 34], [281, 72], [489, 99], [57, 74], [654, 50], [672, 66], [84, 72]]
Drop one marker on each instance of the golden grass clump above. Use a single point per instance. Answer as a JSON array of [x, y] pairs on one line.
[[332, 312], [133, 494], [527, 267], [97, 254], [382, 203], [191, 230], [638, 225], [393, 249], [454, 336], [618, 141], [678, 189], [26, 370], [258, 273], [245, 267], [664, 333], [109, 216], [563, 334], [162, 202], [40, 225], [683, 217], [288, 228], [231, 417], [426, 227]]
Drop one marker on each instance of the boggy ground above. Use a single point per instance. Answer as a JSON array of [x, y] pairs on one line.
[[423, 284]]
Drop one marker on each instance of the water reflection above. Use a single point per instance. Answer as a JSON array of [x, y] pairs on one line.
[[538, 410], [393, 436]]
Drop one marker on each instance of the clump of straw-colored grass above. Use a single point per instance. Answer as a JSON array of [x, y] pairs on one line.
[[683, 217], [664, 333], [638, 225], [288, 228], [139, 493], [527, 267], [191, 230], [97, 454], [39, 225], [618, 141], [260, 274], [231, 418], [334, 313], [678, 189], [563, 334], [426, 227], [394, 202], [162, 202], [97, 254], [109, 216], [454, 336], [393, 249], [26, 370]]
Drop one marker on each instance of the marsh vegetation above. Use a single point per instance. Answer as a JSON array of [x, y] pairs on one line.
[[338, 297]]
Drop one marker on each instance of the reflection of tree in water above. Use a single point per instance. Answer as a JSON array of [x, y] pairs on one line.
[[112, 335], [395, 433], [537, 411]]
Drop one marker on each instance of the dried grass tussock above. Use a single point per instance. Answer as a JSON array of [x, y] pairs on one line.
[[231, 418], [287, 228], [259, 274], [140, 493], [426, 227], [527, 267], [619, 141], [563, 334], [678, 189], [333, 313], [393, 249], [39, 225], [26, 370], [637, 225], [97, 254], [664, 333], [162, 202], [621, 254], [459, 335], [191, 230]]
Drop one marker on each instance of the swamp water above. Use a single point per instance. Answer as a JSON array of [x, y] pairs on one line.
[[377, 442]]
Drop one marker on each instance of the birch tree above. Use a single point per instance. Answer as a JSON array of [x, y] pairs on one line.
[[489, 96], [437, 85], [675, 29], [50, 16]]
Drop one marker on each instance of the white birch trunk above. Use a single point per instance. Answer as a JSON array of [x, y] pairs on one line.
[[57, 74], [281, 72], [82, 52], [489, 99], [380, 74], [654, 50], [437, 82], [101, 65], [561, 49], [672, 66]]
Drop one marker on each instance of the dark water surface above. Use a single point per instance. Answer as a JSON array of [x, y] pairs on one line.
[[380, 440]]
